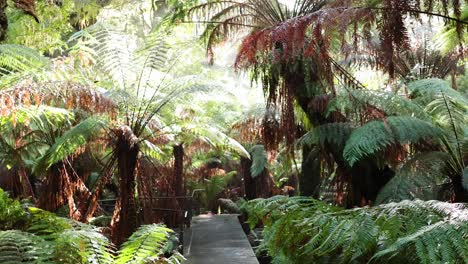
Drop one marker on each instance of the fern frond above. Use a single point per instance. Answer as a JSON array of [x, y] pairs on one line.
[[259, 160], [425, 91], [94, 248], [219, 139], [389, 102], [303, 230], [16, 58], [420, 178], [18, 247], [146, 242], [69, 143], [333, 133], [377, 135], [47, 225]]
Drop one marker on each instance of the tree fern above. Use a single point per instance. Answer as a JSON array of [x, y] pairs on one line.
[[377, 135], [94, 248], [10, 211], [389, 102]]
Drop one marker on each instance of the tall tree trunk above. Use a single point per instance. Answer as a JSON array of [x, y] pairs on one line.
[[3, 19], [178, 152], [124, 218]]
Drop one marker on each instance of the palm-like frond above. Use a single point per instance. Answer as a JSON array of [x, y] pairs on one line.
[[388, 102], [94, 248], [218, 139], [377, 135]]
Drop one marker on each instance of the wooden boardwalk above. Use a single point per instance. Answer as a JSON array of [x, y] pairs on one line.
[[217, 239]]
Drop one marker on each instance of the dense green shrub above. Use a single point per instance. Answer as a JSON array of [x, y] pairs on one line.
[[10, 211]]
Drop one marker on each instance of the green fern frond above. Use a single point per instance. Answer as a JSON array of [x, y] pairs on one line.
[[333, 133], [47, 225], [303, 230], [219, 139], [389, 102], [94, 248], [18, 247], [10, 211], [69, 143], [420, 178], [259, 160], [425, 91], [377, 135], [148, 241], [16, 58]]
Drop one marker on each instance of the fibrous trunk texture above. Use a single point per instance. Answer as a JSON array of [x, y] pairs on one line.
[[124, 219], [178, 152], [62, 186], [3, 19]]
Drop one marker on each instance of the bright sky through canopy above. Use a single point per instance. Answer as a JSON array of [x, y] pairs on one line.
[[288, 3]]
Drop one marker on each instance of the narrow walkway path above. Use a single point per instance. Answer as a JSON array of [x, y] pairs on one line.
[[217, 239]]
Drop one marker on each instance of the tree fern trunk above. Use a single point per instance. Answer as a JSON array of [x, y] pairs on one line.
[[310, 178], [27, 190], [178, 152], [54, 190], [3, 19], [460, 194], [249, 184], [124, 218], [258, 187]]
